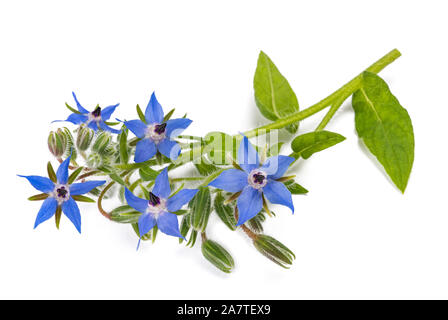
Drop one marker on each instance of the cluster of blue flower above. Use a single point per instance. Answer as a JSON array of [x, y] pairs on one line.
[[251, 180]]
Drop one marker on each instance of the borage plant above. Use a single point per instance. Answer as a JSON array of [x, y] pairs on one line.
[[235, 179]]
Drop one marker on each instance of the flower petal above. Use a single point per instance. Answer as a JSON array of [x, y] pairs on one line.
[[137, 127], [169, 149], [135, 202], [42, 184], [231, 180], [175, 127], [71, 210], [277, 193], [168, 224], [62, 173], [46, 211], [107, 112], [93, 125], [179, 199], [249, 204], [105, 127], [145, 223], [275, 167], [76, 118], [154, 111], [162, 185], [145, 150], [247, 156], [84, 187], [80, 107]]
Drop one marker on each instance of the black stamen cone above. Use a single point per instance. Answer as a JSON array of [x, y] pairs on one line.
[[97, 112], [153, 199], [258, 178], [61, 192], [160, 128]]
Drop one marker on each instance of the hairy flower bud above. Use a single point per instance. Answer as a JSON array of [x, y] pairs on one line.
[[201, 207], [217, 255], [274, 250], [102, 141], [57, 143], [84, 138]]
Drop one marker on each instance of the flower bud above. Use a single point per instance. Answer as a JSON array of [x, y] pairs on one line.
[[201, 208], [225, 212], [57, 143], [274, 250], [84, 138], [102, 141], [218, 256]]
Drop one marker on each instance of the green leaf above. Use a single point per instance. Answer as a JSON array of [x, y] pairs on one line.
[[385, 127], [273, 95], [309, 143], [82, 198], [117, 178], [124, 151], [74, 175], [295, 188], [274, 150], [148, 174], [125, 214]]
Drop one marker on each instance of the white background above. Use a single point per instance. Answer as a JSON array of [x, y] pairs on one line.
[[355, 235]]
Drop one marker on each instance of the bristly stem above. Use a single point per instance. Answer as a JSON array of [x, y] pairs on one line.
[[344, 91]]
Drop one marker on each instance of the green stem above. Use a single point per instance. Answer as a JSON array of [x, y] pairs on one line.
[[345, 90]]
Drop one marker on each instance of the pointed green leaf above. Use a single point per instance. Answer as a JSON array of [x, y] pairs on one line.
[[273, 95], [124, 151], [125, 214], [294, 187], [385, 127], [309, 143], [148, 174]]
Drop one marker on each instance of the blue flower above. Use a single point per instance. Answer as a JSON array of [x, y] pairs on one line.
[[254, 181], [94, 120], [158, 209], [60, 194], [156, 134]]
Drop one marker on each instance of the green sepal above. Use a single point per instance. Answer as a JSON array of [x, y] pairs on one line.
[[72, 109], [217, 255], [51, 173], [168, 115], [147, 173], [192, 240], [140, 113], [37, 197], [83, 198], [74, 175], [57, 216], [256, 223], [225, 212], [102, 141], [274, 250]]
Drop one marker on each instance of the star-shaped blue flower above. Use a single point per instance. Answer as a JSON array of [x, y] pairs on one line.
[[156, 134], [254, 181], [94, 120], [158, 209], [60, 194]]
